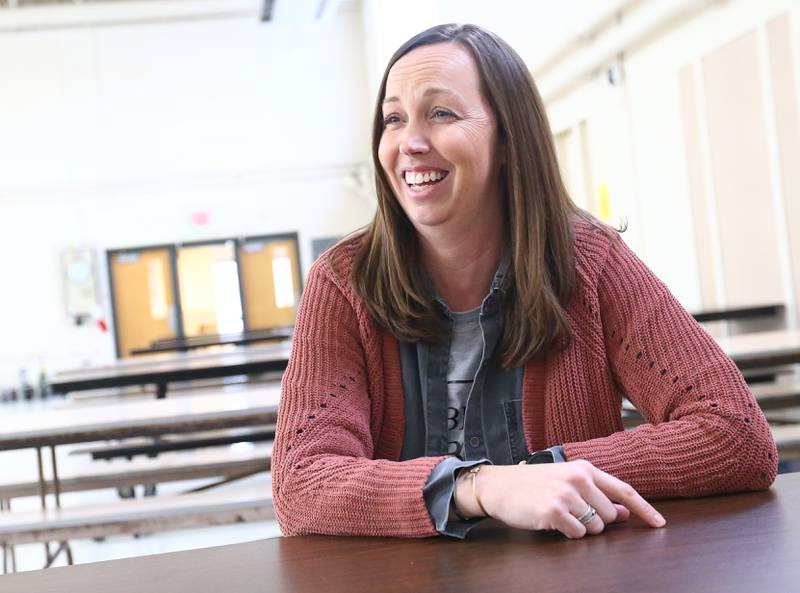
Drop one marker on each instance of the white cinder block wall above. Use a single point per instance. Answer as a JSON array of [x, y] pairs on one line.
[[648, 144], [113, 136]]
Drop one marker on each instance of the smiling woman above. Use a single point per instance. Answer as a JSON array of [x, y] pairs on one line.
[[436, 121], [471, 109], [466, 354]]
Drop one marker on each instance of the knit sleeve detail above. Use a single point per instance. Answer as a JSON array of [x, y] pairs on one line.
[[326, 478], [705, 433]]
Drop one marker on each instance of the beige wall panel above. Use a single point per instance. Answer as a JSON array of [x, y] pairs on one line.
[[565, 164], [787, 120], [697, 187], [586, 160], [740, 169]]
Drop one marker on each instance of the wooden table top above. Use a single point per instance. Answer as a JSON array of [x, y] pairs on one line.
[[176, 367], [739, 543], [739, 313], [206, 341], [763, 349], [167, 359], [153, 417]]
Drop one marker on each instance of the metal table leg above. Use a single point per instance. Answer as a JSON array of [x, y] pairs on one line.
[[9, 552], [42, 495], [57, 492], [64, 545], [6, 555]]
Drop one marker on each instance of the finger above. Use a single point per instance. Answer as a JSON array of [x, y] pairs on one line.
[[595, 497], [579, 507], [625, 494], [623, 514], [567, 524]]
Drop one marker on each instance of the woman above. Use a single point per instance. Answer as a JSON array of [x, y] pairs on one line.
[[482, 324]]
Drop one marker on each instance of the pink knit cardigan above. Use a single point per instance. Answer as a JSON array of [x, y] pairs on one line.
[[340, 425]]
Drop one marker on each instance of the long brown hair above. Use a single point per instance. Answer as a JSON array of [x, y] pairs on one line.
[[541, 278]]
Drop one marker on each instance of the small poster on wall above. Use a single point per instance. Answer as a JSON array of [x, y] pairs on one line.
[[79, 270]]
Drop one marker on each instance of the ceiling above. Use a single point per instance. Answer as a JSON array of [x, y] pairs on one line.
[[547, 27], [538, 29]]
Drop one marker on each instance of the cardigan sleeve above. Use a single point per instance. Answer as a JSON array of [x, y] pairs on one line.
[[326, 479], [705, 433]]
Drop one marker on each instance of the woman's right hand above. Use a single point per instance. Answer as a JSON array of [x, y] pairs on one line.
[[552, 496]]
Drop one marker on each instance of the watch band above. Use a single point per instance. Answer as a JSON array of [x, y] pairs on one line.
[[543, 456]]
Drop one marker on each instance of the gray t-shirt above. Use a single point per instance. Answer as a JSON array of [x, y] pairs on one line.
[[466, 350]]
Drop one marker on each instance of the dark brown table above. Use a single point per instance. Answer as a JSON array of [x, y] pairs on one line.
[[743, 543], [763, 349], [163, 369], [76, 424], [276, 334], [70, 424], [773, 310]]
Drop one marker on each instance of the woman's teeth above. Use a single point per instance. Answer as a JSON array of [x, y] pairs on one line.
[[413, 178]]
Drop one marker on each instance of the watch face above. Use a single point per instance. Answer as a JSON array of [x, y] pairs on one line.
[[541, 457]]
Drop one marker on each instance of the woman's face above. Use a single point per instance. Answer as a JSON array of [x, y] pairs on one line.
[[439, 143]]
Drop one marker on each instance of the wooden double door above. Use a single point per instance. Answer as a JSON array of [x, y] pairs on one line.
[[214, 287]]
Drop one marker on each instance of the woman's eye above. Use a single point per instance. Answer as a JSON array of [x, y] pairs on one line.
[[390, 119], [442, 113]]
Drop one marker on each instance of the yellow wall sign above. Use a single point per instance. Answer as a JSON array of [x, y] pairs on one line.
[[603, 203]]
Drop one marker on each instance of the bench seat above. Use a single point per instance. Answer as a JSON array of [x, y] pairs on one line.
[[787, 438], [771, 396], [148, 515], [221, 462]]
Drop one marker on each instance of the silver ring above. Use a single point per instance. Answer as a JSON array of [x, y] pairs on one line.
[[588, 516]]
